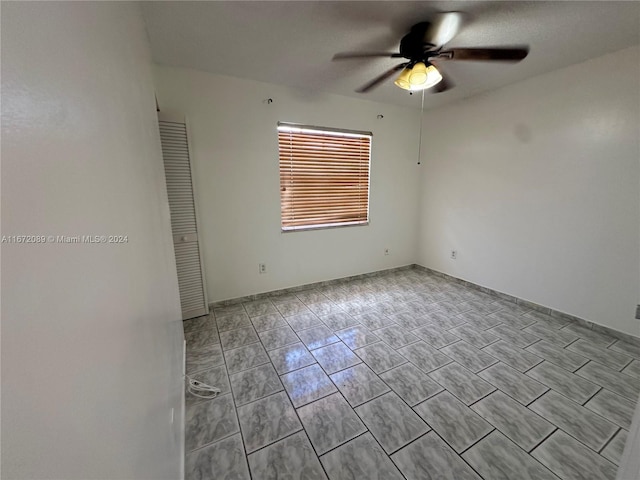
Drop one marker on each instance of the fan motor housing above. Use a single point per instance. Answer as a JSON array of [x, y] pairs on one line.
[[413, 45]]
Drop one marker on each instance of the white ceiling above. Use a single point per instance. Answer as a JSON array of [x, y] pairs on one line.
[[291, 43]]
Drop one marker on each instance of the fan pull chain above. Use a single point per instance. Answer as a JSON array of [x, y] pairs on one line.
[[420, 142]]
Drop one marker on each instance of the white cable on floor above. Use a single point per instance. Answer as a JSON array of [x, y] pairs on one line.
[[201, 389]]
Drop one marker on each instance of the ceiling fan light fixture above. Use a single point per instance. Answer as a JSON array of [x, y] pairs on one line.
[[433, 77], [418, 75], [425, 42], [407, 82], [403, 79]]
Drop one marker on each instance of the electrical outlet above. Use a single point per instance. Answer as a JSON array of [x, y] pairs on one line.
[[262, 268], [454, 254], [386, 251]]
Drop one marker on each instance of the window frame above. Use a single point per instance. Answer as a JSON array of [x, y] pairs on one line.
[[302, 128]]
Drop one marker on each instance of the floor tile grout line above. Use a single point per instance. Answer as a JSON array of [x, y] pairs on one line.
[[591, 397], [370, 399], [600, 415], [604, 387], [273, 442], [205, 368], [496, 389], [569, 434], [316, 399], [246, 344], [392, 390], [390, 456], [494, 429], [528, 453], [591, 449], [586, 339], [258, 398], [407, 444], [224, 363], [629, 363], [561, 349], [268, 363], [489, 366], [537, 341], [239, 327], [230, 392], [486, 381], [190, 452], [236, 348], [633, 356], [523, 406], [344, 442], [292, 406], [614, 343], [546, 437], [204, 327], [444, 290], [315, 362], [384, 393], [467, 406], [459, 455], [604, 350], [314, 450], [222, 438], [610, 440], [340, 370], [537, 364], [246, 455], [513, 398], [550, 389], [405, 403], [582, 366], [582, 378]]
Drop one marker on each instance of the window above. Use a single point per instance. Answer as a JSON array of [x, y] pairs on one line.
[[324, 177]]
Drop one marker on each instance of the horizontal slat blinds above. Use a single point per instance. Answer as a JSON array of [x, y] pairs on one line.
[[324, 177]]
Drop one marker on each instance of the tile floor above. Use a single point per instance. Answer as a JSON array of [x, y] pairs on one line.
[[404, 375]]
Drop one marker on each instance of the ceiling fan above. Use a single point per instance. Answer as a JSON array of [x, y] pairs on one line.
[[423, 49]]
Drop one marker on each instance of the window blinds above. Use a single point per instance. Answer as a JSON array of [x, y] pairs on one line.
[[324, 177]]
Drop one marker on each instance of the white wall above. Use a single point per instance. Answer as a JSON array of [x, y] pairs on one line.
[[91, 342], [235, 149], [537, 187]]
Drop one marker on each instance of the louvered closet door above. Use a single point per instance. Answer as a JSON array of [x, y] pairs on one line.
[[177, 167]]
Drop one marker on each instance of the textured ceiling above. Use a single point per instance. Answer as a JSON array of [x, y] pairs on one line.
[[291, 43]]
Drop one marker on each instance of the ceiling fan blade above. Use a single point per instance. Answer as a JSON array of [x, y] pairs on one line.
[[350, 55], [443, 85], [512, 54], [443, 28], [380, 78]]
